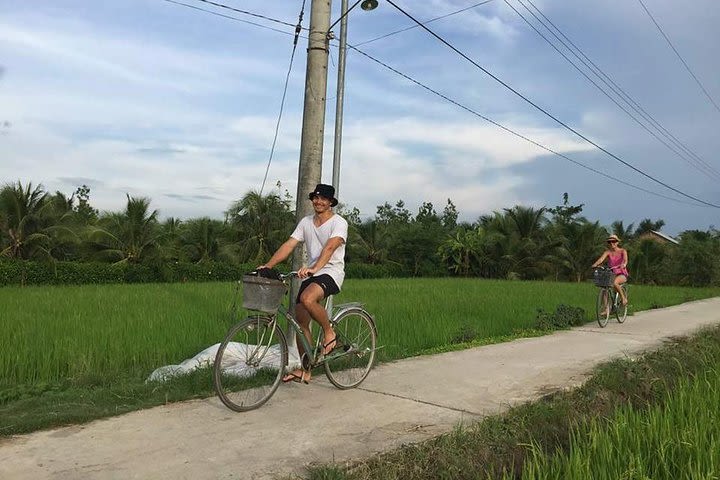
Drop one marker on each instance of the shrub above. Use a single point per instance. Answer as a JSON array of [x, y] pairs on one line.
[[565, 316], [23, 272]]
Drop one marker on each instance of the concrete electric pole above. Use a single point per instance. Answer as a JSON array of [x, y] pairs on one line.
[[313, 127], [340, 99]]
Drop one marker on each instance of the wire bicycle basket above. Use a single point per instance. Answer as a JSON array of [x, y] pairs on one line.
[[603, 277], [262, 294]]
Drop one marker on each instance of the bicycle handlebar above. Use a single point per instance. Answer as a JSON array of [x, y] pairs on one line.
[[283, 276]]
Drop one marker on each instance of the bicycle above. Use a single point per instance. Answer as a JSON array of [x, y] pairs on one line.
[[604, 278], [253, 357]]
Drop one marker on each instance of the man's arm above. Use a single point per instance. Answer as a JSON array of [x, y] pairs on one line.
[[324, 258], [282, 253]]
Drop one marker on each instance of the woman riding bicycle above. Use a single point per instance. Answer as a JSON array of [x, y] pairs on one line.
[[617, 259]]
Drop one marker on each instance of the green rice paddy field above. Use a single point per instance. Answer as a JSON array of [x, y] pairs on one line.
[[674, 439], [52, 334]]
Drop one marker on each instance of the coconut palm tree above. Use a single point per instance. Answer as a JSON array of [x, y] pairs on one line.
[[262, 224], [202, 240], [519, 241], [367, 243], [625, 234], [581, 242], [23, 234], [131, 236]]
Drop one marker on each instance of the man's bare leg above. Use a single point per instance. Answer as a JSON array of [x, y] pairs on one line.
[[303, 318], [310, 300]]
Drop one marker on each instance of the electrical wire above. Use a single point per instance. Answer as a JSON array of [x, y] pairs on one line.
[[592, 66], [298, 29], [245, 12], [705, 169], [544, 111], [445, 97], [229, 17], [687, 67], [511, 131], [426, 22]]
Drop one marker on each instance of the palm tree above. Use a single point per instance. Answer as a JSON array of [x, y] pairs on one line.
[[132, 236], [519, 241], [581, 244], [21, 223], [646, 225], [368, 243], [262, 224], [625, 234], [201, 240]]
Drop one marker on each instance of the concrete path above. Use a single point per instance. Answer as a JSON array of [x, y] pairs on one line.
[[405, 401]]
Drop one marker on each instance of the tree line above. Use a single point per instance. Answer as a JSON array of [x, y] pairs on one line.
[[521, 242]]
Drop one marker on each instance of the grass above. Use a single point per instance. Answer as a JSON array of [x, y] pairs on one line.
[[92, 347], [676, 439], [655, 417]]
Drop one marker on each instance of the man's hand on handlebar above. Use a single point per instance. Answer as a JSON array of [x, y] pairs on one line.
[[306, 272]]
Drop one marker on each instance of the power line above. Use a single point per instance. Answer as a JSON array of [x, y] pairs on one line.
[[679, 56], [245, 12], [464, 108], [230, 17], [509, 130], [705, 169], [548, 114], [426, 22], [614, 86]]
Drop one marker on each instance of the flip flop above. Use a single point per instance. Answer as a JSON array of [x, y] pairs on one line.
[[331, 342], [293, 377]]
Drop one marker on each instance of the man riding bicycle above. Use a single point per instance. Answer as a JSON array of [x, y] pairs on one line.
[[324, 234]]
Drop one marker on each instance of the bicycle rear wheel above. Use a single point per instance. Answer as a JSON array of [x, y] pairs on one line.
[[621, 310], [351, 360], [602, 308], [250, 363]]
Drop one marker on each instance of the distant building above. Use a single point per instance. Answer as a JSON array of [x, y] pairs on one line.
[[659, 237]]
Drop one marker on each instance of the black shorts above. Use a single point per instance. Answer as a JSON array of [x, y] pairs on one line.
[[325, 281]]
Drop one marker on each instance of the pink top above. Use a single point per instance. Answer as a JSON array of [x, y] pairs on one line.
[[615, 260]]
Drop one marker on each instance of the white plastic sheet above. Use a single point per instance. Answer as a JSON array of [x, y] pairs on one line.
[[234, 357]]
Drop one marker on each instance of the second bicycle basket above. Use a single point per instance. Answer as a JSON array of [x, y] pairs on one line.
[[262, 294], [603, 277]]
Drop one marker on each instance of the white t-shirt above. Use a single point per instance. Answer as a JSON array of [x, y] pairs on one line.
[[315, 239]]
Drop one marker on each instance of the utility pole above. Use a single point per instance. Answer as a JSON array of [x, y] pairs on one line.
[[340, 99], [313, 127]]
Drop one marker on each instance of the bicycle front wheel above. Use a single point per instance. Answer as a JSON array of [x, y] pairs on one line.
[[602, 308], [250, 363], [351, 360], [621, 310]]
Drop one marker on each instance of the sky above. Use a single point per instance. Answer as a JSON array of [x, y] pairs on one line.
[[152, 98]]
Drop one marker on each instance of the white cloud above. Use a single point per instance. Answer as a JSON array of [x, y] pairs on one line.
[[486, 19], [180, 106]]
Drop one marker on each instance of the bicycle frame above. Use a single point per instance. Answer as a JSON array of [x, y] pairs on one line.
[[294, 325], [333, 313]]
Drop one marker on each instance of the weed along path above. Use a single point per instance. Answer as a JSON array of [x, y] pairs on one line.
[[401, 402]]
